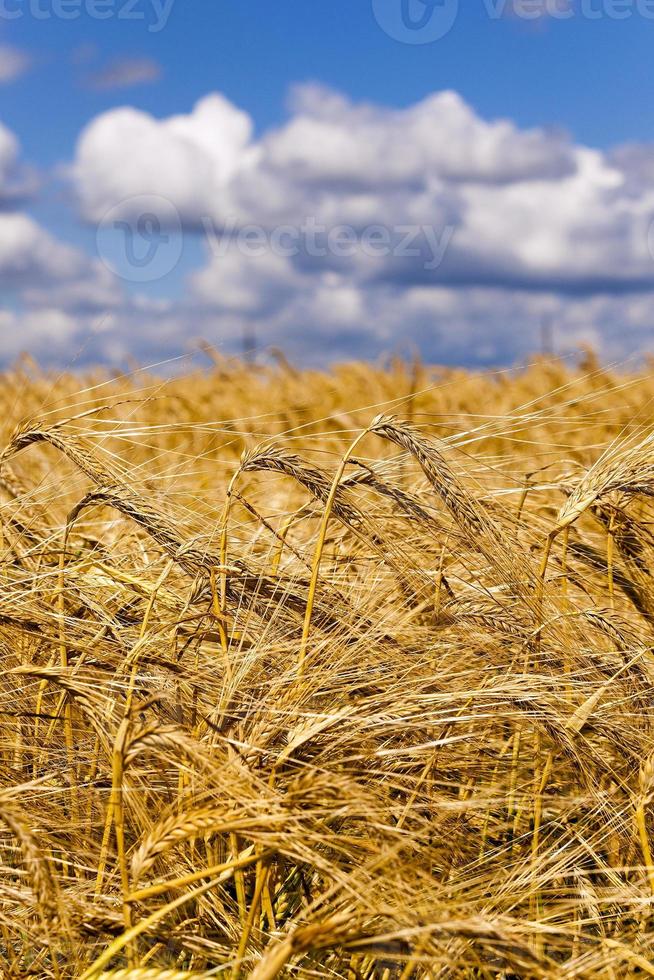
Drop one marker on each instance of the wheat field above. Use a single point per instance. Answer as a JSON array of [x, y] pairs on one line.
[[344, 674]]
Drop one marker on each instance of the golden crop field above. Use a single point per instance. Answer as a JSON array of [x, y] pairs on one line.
[[342, 674]]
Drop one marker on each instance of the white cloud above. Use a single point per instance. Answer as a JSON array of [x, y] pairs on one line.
[[90, 289], [8, 153], [50, 287], [509, 226], [187, 159], [48, 335], [55, 288], [526, 206], [259, 285], [332, 157], [16, 180], [331, 318], [29, 254], [329, 138]]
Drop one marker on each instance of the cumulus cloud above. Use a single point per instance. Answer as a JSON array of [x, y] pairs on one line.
[[330, 154], [353, 228], [126, 73], [17, 180], [334, 319], [187, 159], [53, 293], [528, 208], [30, 256], [260, 287], [329, 138]]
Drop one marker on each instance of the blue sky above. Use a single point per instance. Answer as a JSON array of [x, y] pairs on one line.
[[593, 77], [583, 80]]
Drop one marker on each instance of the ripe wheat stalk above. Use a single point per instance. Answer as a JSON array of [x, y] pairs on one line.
[[312, 691]]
